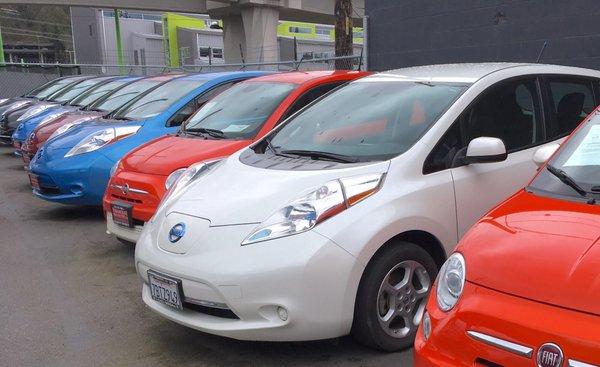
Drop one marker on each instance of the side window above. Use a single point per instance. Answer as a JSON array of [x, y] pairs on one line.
[[572, 100], [509, 111], [309, 97], [186, 111]]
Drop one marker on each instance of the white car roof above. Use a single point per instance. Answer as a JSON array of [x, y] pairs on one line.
[[470, 72]]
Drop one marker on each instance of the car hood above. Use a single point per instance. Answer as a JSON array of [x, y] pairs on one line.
[[168, 153], [15, 105], [70, 117], [233, 192], [57, 147], [538, 248]]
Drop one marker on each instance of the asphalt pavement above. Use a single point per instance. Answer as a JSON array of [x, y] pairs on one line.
[[69, 296]]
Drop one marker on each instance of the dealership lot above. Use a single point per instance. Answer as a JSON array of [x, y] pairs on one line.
[[70, 296]]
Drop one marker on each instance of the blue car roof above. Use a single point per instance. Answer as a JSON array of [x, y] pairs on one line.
[[225, 75]]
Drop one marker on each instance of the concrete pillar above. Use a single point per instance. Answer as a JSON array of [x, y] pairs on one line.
[[255, 29], [260, 26], [233, 37]]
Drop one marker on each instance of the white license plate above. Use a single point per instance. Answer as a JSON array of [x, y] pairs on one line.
[[165, 289]]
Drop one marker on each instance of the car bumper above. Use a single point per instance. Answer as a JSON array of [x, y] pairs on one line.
[[308, 275], [128, 234], [519, 321], [144, 193], [74, 180]]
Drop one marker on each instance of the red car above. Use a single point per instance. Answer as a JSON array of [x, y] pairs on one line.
[[109, 103], [231, 121], [523, 287]]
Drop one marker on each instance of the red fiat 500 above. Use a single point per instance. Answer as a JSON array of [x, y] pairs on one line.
[[523, 287], [231, 121]]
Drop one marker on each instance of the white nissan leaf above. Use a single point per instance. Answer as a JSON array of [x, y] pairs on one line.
[[338, 221]]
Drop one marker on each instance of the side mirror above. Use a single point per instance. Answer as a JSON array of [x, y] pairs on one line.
[[544, 153], [485, 150]]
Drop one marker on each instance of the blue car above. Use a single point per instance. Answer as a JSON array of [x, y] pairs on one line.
[[70, 100], [74, 168]]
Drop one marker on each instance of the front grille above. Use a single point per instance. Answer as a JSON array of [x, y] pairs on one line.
[[485, 363], [47, 190], [212, 311], [125, 198]]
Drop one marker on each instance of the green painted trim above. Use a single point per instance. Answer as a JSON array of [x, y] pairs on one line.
[[120, 56], [1, 48], [172, 21]]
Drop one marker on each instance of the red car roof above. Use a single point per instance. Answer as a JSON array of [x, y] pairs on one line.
[[299, 77]]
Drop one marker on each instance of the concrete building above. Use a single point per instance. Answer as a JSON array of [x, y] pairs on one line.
[[174, 39], [416, 32]]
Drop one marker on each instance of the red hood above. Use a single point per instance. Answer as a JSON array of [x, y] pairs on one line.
[[538, 248], [168, 153], [49, 128]]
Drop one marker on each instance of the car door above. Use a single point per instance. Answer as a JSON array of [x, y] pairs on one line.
[[511, 111]]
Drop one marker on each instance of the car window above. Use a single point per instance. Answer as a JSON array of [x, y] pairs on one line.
[[76, 90], [121, 96], [572, 100], [368, 120], [241, 111], [97, 93], [509, 111], [54, 88], [160, 99], [309, 97]]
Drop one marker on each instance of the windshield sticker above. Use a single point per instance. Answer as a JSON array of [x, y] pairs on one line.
[[588, 152], [235, 128]]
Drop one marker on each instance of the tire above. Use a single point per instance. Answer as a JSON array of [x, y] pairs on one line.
[[386, 315]]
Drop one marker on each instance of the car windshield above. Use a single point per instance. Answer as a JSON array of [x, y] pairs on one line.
[[54, 88], [37, 91], [97, 93], [575, 171], [367, 120], [241, 111], [76, 90], [159, 99], [121, 96]]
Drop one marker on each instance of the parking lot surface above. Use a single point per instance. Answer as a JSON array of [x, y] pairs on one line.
[[69, 296]]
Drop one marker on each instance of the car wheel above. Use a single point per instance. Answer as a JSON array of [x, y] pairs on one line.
[[392, 296]]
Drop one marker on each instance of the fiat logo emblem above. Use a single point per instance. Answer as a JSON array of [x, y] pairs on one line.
[[176, 232], [125, 189], [550, 355]]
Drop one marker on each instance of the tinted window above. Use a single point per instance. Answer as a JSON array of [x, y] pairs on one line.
[[97, 93], [121, 96], [76, 90], [368, 120], [572, 101], [160, 99], [241, 111], [510, 111], [579, 159]]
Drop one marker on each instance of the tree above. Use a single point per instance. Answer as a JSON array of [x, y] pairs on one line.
[[343, 32]]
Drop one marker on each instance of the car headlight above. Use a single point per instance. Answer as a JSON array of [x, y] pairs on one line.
[[114, 168], [101, 138], [451, 282], [315, 207], [173, 177], [35, 111], [64, 128]]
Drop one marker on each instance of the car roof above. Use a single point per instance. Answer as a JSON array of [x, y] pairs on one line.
[[471, 72], [223, 75], [299, 77]]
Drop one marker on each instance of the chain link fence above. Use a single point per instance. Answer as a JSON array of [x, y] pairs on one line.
[[19, 78]]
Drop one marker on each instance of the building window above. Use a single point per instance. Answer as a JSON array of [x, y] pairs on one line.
[[204, 51], [358, 34], [217, 53], [323, 32], [301, 30]]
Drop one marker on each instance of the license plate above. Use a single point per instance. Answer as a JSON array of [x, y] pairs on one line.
[[34, 181], [165, 289], [121, 214], [16, 144]]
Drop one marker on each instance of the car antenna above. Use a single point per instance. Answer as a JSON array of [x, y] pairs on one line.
[[541, 52], [299, 63]]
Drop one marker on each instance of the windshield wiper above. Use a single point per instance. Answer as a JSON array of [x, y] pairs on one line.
[[322, 155], [569, 181], [203, 130]]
